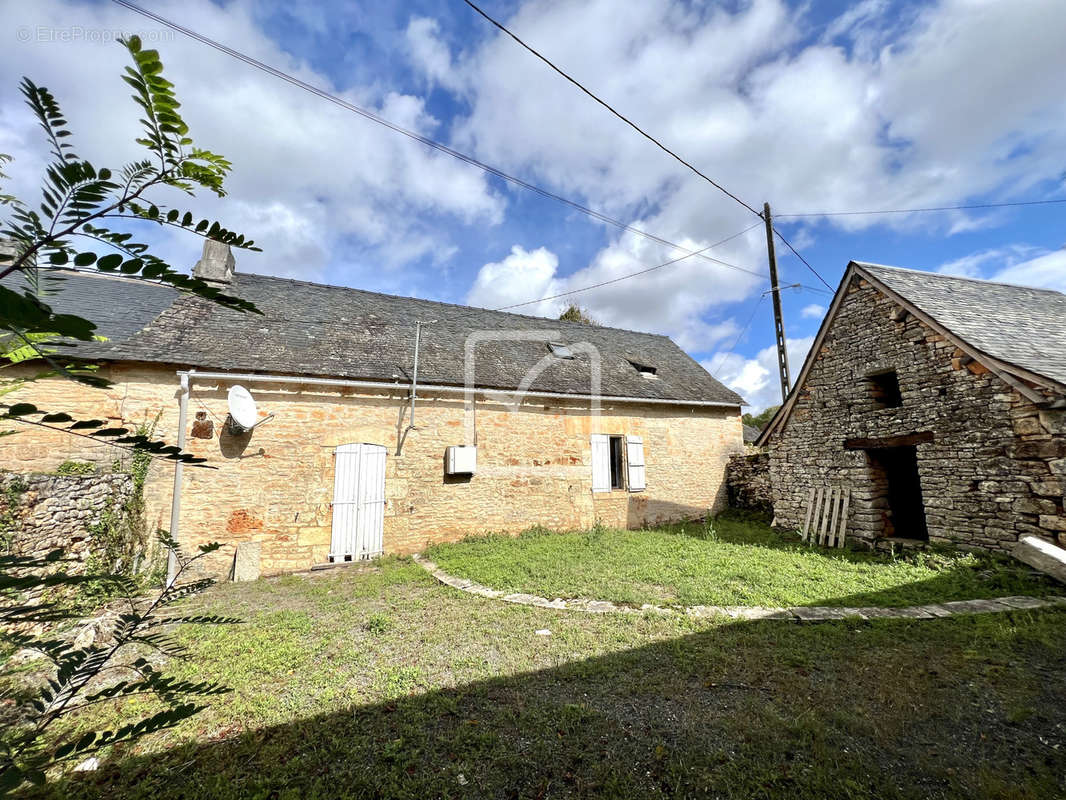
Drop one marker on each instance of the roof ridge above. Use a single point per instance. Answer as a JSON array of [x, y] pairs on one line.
[[948, 276], [238, 275], [445, 303]]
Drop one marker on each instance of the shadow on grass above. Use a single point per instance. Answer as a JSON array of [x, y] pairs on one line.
[[970, 706]]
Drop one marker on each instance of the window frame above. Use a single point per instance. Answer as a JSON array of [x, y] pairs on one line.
[[646, 371], [616, 462], [561, 350]]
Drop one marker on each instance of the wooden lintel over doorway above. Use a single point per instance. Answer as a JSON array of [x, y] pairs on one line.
[[907, 440]]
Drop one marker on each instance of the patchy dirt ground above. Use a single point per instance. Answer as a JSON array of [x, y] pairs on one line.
[[387, 684]]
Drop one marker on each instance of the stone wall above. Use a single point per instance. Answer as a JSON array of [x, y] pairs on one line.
[[47, 512], [42, 513], [748, 482], [275, 485], [994, 469]]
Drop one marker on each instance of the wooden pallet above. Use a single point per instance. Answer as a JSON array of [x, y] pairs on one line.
[[827, 516]]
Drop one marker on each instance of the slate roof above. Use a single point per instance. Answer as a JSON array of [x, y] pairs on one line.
[[331, 331], [1015, 324], [119, 306], [750, 434]]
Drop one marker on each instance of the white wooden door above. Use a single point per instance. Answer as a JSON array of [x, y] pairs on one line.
[[358, 502]]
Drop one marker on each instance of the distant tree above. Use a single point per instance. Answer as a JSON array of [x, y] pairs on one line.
[[758, 421], [576, 313]]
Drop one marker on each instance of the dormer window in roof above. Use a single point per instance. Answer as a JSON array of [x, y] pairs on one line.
[[651, 373], [560, 350]]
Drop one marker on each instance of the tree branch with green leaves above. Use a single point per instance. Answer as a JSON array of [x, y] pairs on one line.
[[77, 680], [84, 209]]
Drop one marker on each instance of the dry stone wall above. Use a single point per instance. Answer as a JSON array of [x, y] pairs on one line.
[[748, 482], [995, 467], [43, 513]]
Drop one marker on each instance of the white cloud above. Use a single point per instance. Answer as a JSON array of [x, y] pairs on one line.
[[902, 118], [672, 300], [430, 54], [521, 276], [1047, 271], [813, 311], [308, 180], [755, 379], [885, 109], [1020, 264]]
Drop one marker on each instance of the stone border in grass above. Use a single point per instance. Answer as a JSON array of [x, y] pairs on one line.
[[801, 613]]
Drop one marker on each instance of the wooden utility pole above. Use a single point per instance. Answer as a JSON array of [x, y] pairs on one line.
[[775, 289]]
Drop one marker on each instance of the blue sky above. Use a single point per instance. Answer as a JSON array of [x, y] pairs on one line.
[[812, 106]]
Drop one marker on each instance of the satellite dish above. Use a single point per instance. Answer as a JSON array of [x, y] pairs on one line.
[[242, 411]]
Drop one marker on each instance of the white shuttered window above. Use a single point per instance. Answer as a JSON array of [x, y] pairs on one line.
[[635, 460], [601, 463]]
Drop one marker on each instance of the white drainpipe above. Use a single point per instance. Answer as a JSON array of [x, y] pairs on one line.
[[188, 376], [250, 377], [175, 500]]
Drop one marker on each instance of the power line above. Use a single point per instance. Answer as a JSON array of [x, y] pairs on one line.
[[370, 115], [635, 127], [732, 347], [973, 207], [641, 272], [614, 111], [788, 244], [255, 63]]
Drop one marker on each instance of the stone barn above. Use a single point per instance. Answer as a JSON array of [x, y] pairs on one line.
[[938, 402], [502, 422]]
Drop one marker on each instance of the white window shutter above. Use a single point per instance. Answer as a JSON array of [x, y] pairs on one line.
[[635, 460], [601, 463]]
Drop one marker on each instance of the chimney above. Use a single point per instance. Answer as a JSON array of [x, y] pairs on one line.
[[216, 265]]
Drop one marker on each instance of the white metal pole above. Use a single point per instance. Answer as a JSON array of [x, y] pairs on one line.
[[414, 375]]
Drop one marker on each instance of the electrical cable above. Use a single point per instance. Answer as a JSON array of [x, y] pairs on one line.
[[370, 115], [635, 274], [744, 330], [614, 111], [973, 207]]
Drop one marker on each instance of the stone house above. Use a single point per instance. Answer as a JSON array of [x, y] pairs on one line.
[[938, 401], [557, 424]]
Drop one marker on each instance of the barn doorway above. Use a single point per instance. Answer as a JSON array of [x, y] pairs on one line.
[[895, 475]]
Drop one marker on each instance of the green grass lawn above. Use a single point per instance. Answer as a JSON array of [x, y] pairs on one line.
[[388, 684], [734, 560]]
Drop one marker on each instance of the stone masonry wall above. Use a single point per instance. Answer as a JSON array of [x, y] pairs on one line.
[[52, 512], [996, 466], [748, 482], [275, 485], [42, 513]]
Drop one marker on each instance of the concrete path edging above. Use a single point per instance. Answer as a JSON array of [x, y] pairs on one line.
[[800, 613]]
